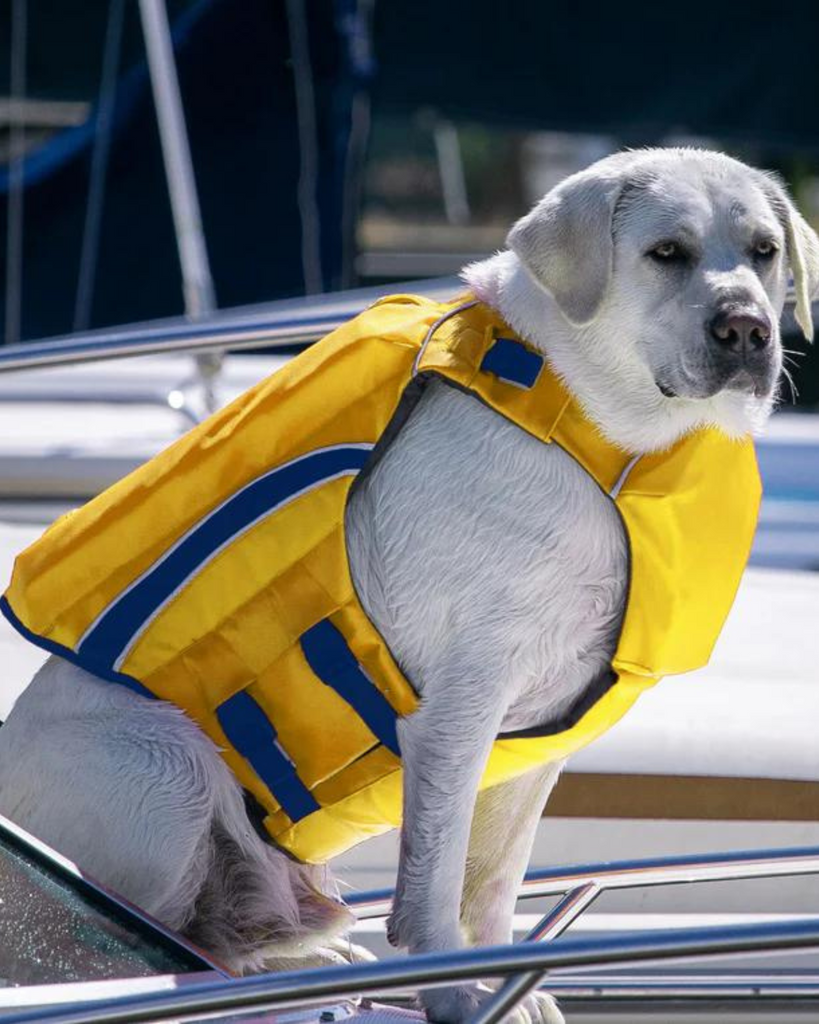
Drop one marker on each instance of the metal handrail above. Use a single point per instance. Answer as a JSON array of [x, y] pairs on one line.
[[280, 325], [581, 886], [635, 874], [774, 985], [550, 927], [297, 988]]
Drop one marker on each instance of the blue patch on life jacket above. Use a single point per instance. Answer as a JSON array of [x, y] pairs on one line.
[[332, 661], [252, 734], [512, 362]]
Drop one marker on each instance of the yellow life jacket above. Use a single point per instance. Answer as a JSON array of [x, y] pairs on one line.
[[215, 576]]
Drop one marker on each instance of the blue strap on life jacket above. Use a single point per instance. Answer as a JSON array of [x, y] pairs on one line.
[[332, 661], [513, 363], [251, 732]]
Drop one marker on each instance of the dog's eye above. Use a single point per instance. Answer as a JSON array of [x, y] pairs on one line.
[[766, 249], [668, 252]]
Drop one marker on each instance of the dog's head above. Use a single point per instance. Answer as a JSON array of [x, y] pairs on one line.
[[673, 266]]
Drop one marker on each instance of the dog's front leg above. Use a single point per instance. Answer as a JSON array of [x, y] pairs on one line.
[[444, 747], [500, 845]]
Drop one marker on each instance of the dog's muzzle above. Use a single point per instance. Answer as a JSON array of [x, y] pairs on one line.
[[742, 350]]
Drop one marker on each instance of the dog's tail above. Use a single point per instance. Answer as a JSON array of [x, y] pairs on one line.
[[257, 901]]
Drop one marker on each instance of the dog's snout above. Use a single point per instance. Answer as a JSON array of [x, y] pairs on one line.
[[740, 331]]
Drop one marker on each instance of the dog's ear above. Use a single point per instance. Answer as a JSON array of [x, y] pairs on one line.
[[565, 242], [803, 250]]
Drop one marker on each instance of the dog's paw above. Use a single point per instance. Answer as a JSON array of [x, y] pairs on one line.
[[457, 1004], [537, 1008], [453, 1005]]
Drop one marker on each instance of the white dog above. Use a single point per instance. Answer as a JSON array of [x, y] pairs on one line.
[[653, 282]]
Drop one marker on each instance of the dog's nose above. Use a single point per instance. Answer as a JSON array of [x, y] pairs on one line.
[[740, 331]]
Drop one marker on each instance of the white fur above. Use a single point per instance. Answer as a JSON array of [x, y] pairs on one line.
[[136, 794], [612, 386], [492, 565]]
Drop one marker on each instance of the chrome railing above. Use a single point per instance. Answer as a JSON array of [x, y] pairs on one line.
[[635, 874], [407, 974], [525, 964], [584, 884], [277, 325]]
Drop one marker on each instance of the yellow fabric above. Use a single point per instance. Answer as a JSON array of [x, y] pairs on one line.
[[231, 632]]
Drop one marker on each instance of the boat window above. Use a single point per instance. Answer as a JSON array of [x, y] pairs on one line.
[[55, 928]]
